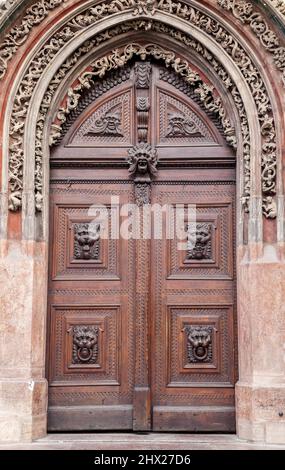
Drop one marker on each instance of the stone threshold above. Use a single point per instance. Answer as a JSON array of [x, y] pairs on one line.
[[139, 441]]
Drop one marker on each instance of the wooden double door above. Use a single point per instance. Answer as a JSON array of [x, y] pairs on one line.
[[141, 319]]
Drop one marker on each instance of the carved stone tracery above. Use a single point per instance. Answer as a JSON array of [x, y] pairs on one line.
[[193, 16]]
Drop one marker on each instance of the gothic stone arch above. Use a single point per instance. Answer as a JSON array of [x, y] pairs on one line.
[[46, 49]]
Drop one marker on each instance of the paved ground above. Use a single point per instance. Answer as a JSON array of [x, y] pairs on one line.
[[150, 441]]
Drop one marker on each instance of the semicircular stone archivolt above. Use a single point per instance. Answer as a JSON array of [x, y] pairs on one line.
[[248, 15], [19, 33], [278, 5], [192, 15]]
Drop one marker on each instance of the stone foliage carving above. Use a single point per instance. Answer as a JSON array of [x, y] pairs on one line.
[[193, 16], [259, 93], [19, 115], [6, 6], [144, 7], [16, 37], [98, 69], [215, 106], [85, 344], [245, 12], [205, 92], [279, 5]]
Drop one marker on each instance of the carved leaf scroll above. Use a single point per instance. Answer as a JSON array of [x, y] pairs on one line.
[[108, 125], [184, 11], [181, 126], [16, 37]]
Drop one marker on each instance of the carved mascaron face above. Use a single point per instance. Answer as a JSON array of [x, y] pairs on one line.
[[112, 122], [199, 238], [142, 159], [86, 237], [142, 164], [200, 340], [180, 125], [85, 339]]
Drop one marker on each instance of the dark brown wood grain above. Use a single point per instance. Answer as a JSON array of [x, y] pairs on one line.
[[142, 335]]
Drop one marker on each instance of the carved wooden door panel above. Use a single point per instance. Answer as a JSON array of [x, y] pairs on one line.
[[91, 312], [193, 372], [141, 331]]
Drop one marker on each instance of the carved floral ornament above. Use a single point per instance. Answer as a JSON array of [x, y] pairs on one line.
[[279, 5], [247, 14], [38, 11], [145, 9]]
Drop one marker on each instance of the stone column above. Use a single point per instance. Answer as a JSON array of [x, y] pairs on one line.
[[260, 391], [23, 387]]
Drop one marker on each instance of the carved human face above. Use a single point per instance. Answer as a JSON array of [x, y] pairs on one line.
[[86, 236], [112, 121], [142, 164], [199, 238]]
